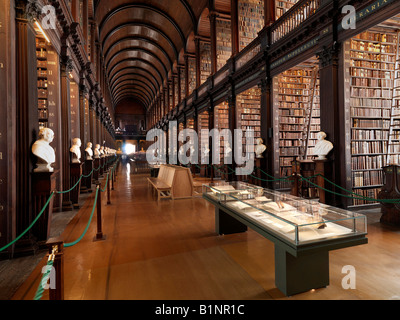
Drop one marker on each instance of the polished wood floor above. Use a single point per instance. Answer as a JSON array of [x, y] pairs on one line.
[[169, 251]]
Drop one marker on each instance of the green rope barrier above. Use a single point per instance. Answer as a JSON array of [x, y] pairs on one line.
[[45, 279], [105, 186], [30, 227], [357, 197], [70, 190], [67, 245]]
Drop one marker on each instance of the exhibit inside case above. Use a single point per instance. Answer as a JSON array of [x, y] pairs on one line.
[[298, 221]]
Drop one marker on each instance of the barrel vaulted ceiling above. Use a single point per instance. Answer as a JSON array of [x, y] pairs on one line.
[[143, 41]]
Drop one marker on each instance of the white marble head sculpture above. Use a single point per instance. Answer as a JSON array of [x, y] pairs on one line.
[[89, 151], [76, 150], [43, 151], [260, 148], [97, 151], [323, 147]]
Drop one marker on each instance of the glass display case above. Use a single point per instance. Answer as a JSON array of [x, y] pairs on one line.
[[221, 190], [297, 220]]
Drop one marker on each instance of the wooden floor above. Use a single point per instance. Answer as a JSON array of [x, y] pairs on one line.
[[169, 251]]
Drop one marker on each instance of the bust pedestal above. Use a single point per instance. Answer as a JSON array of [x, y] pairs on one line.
[[87, 182], [96, 171], [390, 190], [43, 184], [76, 172], [324, 168], [101, 172]]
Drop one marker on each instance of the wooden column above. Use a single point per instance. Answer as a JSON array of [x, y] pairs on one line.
[[186, 75], [173, 92], [179, 85], [211, 125], [213, 38], [235, 26], [65, 127], [270, 12], [232, 127], [267, 134], [27, 123], [333, 119], [8, 183], [197, 55]]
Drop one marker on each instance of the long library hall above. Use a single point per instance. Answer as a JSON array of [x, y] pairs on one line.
[[200, 150]]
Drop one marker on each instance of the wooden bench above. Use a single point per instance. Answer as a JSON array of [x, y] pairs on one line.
[[175, 182], [162, 184]]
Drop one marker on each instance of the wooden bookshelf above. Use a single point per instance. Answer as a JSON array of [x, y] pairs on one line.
[[371, 58], [183, 83], [202, 124], [282, 6], [292, 92], [74, 105], [224, 42], [192, 75], [249, 113], [251, 21], [205, 61], [221, 116], [42, 82]]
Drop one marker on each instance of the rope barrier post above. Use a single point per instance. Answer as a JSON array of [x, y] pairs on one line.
[[112, 178], [99, 235], [56, 290], [108, 188]]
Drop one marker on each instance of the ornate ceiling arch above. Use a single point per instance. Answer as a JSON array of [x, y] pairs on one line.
[[141, 42]]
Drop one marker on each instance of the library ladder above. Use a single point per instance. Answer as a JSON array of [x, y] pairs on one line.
[[305, 135], [393, 145]]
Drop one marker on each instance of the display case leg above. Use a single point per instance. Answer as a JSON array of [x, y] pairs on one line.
[[294, 275]]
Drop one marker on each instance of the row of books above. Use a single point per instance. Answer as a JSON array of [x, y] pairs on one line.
[[360, 134], [373, 47], [373, 65], [370, 112], [370, 103], [367, 193], [373, 56], [371, 93], [368, 147], [367, 178], [295, 135], [376, 36], [368, 163], [364, 81], [295, 127], [370, 123]]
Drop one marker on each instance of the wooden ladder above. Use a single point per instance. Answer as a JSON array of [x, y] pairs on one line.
[[393, 143], [305, 135]]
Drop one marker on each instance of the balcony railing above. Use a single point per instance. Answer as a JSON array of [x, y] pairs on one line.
[[292, 19], [248, 53]]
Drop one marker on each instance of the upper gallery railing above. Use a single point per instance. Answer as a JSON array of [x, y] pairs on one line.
[[292, 19], [248, 53]]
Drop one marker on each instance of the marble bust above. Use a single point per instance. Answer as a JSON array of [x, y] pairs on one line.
[[43, 151], [89, 151], [323, 147], [97, 151], [260, 148], [102, 154], [227, 150], [76, 150]]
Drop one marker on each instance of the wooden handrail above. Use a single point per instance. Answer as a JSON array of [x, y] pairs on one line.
[[292, 19]]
